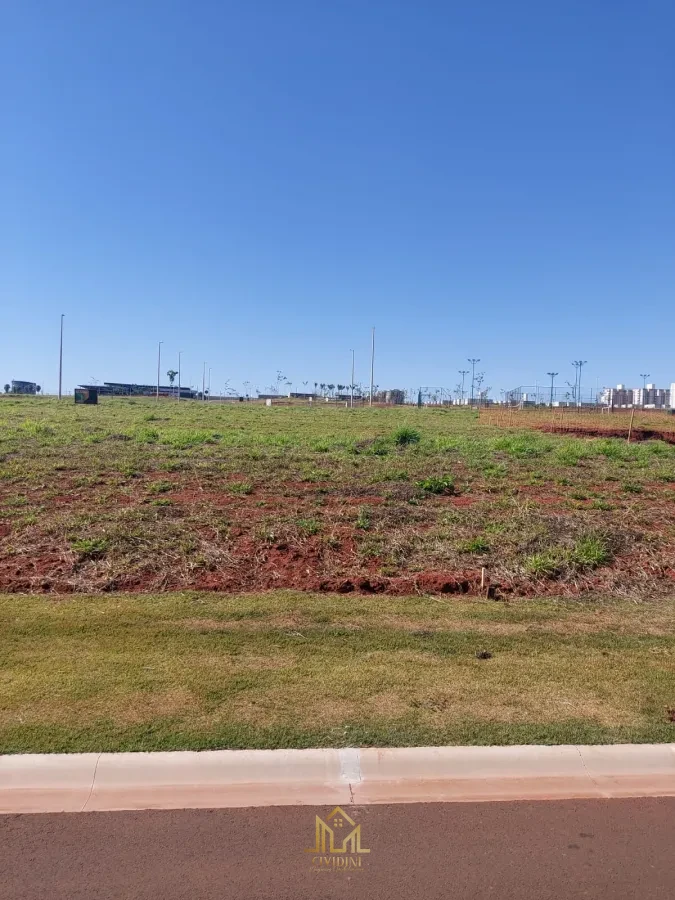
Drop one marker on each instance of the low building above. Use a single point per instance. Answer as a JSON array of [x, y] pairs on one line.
[[128, 389], [24, 387]]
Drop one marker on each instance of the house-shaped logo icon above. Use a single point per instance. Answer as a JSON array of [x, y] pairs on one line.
[[329, 834]]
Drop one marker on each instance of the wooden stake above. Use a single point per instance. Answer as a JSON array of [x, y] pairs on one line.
[[630, 427]]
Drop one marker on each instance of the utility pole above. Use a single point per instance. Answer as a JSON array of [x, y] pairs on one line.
[[61, 357], [159, 362], [644, 387], [473, 375], [204, 383], [551, 375], [352, 383], [372, 366], [209, 383], [463, 373], [179, 356], [578, 364]]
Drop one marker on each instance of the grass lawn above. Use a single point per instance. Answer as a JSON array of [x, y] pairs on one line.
[[288, 669]]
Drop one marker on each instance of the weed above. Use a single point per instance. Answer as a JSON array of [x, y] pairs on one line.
[[309, 526], [363, 520], [240, 487], [404, 437], [437, 485], [630, 487], [475, 545], [90, 548], [160, 487]]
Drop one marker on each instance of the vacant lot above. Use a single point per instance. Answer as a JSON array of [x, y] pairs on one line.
[[193, 575], [144, 672], [135, 495]]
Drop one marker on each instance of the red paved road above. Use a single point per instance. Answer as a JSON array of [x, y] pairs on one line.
[[529, 851]]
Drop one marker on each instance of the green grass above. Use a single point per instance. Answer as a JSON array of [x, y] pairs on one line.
[[192, 671]]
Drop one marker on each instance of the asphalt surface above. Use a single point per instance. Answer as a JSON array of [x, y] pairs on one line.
[[525, 850]]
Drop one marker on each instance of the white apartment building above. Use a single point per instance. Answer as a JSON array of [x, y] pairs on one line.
[[649, 397]]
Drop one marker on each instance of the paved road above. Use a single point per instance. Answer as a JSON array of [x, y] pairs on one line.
[[529, 851]]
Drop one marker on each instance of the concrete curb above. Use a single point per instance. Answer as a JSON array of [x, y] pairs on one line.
[[229, 778]]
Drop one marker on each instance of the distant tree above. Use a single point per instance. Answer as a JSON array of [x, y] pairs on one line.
[[323, 389], [171, 374], [7, 388], [316, 384], [37, 388], [331, 388]]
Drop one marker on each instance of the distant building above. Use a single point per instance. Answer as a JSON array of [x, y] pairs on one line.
[[24, 387], [649, 397], [124, 389]]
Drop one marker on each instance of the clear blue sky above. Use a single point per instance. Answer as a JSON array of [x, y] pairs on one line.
[[258, 182]]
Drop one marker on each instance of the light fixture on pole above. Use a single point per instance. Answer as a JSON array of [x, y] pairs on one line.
[[578, 365], [463, 373], [372, 365], [61, 357], [644, 387], [473, 376], [159, 363], [552, 375]]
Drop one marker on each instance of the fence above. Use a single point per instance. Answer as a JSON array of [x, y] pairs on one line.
[[632, 424]]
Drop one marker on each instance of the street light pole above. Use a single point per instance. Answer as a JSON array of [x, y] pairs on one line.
[[61, 357], [179, 356], [352, 383], [644, 387], [473, 376], [578, 363], [159, 362], [552, 376], [204, 383], [463, 373], [209, 383], [372, 366]]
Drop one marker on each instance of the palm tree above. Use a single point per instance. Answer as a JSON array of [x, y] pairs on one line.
[[331, 388], [37, 388], [7, 389], [323, 389]]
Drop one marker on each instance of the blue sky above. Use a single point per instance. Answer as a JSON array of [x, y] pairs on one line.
[[257, 183]]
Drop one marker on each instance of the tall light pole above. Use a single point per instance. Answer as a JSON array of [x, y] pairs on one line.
[[179, 356], [61, 357], [463, 373], [352, 383], [473, 375], [209, 383], [159, 363], [644, 387], [372, 366], [203, 382], [578, 364], [552, 375]]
